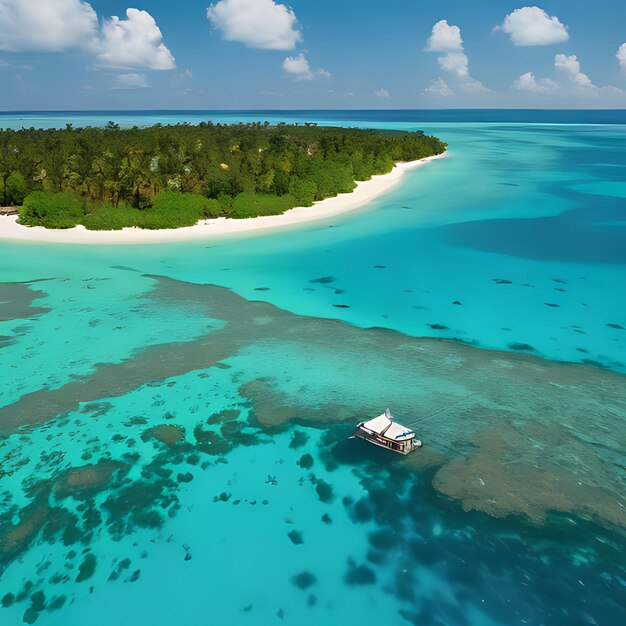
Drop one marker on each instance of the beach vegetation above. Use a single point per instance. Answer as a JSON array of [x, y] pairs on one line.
[[13, 189], [52, 210], [174, 176]]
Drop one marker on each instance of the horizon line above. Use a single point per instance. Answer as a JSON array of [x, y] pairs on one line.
[[297, 110]]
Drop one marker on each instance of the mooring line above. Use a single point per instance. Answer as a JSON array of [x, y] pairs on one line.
[[423, 419]]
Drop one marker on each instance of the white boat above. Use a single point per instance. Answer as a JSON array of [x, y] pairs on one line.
[[384, 432]]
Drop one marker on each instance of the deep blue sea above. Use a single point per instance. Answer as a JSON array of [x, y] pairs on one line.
[[175, 418]]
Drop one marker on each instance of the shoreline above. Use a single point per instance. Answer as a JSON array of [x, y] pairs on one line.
[[364, 192]]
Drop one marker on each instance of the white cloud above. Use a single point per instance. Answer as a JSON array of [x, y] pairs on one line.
[[135, 42], [299, 69], [532, 26], [438, 87], [131, 81], [456, 62], [471, 84], [528, 82], [46, 25], [382, 93], [447, 40], [579, 83], [256, 23], [571, 66], [621, 56]]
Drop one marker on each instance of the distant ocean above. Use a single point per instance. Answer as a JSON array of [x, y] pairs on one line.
[[52, 119], [175, 417]]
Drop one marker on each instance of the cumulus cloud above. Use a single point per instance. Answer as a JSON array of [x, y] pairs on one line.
[[131, 81], [528, 82], [256, 23], [577, 83], [46, 25], [446, 39], [299, 69], [440, 88], [456, 62], [382, 93], [135, 42], [571, 66], [49, 26], [621, 56], [532, 26]]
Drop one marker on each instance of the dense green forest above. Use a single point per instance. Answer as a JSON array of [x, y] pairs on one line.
[[173, 176]]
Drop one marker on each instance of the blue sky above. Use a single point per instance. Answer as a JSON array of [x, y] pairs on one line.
[[263, 54]]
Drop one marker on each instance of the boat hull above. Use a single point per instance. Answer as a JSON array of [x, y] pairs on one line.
[[399, 447]]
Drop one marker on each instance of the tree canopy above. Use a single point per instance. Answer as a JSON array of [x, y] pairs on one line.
[[172, 176]]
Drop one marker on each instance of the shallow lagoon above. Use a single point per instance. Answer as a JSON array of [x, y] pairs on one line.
[[194, 444]]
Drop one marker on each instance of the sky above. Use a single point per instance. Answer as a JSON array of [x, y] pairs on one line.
[[311, 54]]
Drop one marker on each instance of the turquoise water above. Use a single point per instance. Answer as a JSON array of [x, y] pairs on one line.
[[175, 451]]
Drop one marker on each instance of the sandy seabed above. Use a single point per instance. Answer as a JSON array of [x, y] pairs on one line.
[[364, 192]]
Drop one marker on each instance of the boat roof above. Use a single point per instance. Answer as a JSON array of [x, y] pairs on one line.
[[385, 426]]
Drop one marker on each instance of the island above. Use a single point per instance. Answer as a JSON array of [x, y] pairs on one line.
[[175, 176]]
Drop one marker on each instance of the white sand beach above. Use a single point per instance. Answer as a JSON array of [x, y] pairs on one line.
[[365, 192]]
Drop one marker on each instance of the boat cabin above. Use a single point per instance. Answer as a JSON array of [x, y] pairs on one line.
[[384, 432]]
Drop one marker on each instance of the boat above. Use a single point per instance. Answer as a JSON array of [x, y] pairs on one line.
[[383, 431]]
